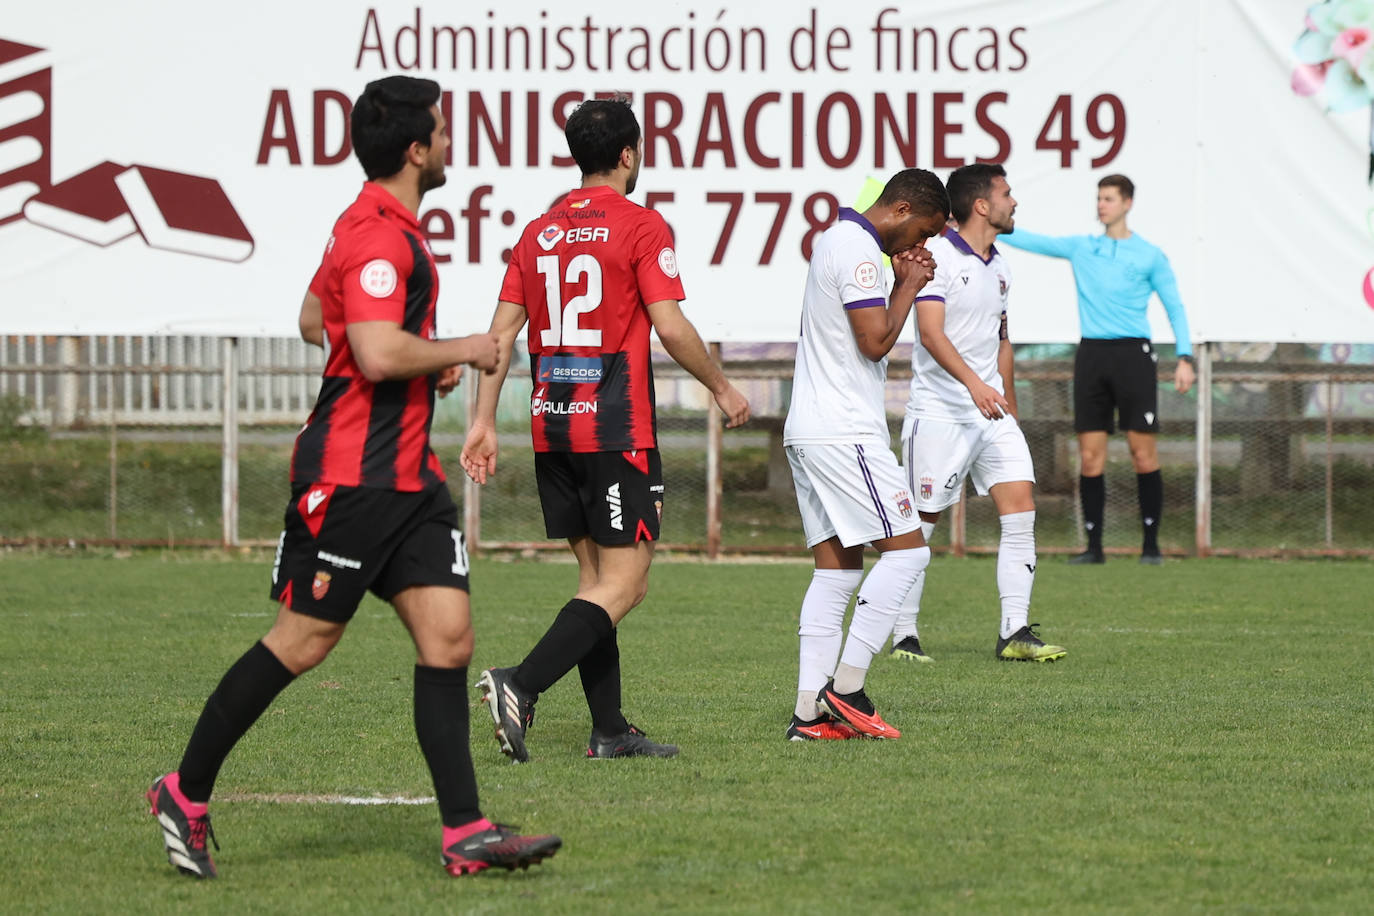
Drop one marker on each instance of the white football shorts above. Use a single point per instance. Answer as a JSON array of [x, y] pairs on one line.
[[853, 492], [937, 455]]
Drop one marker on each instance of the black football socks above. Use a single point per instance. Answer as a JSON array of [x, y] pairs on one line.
[[576, 631], [1092, 495], [244, 693], [441, 724], [1150, 489]]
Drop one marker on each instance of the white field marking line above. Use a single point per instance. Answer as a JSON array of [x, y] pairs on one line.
[[279, 798], [1149, 630]]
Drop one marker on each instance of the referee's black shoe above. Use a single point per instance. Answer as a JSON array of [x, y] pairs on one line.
[[1087, 558]]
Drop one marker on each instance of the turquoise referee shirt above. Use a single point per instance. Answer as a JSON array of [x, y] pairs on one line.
[[1114, 278]]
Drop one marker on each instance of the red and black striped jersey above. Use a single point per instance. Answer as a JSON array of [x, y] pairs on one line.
[[584, 273], [376, 267]]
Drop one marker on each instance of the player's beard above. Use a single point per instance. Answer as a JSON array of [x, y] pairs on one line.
[[631, 181], [433, 177]]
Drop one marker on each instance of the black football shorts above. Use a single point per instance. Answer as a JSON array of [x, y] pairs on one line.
[[1120, 375], [613, 497], [339, 542]]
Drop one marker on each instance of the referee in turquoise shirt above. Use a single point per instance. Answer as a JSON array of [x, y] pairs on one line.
[[1115, 367]]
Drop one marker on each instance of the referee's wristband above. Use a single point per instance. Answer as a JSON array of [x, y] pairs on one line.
[[1187, 358]]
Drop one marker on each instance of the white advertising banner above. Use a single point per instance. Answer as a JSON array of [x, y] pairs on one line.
[[175, 168]]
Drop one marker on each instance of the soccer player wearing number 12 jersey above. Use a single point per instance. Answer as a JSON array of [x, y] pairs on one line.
[[591, 277]]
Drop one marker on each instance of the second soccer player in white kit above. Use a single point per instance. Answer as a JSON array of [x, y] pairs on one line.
[[961, 416]]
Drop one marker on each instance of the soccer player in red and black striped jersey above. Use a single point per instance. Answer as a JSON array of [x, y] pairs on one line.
[[369, 509], [592, 277]]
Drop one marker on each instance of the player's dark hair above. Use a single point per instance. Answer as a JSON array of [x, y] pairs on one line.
[[598, 130], [971, 183], [391, 114], [919, 188], [1121, 183]]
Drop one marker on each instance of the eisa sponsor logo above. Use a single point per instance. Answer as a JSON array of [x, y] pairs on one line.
[[587, 234], [553, 234]]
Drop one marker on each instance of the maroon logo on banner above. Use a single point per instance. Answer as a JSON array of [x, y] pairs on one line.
[[109, 201], [25, 126]]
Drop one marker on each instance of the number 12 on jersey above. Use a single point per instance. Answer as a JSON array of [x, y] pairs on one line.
[[563, 329]]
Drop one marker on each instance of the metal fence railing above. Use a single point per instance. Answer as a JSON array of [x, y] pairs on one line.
[[134, 441]]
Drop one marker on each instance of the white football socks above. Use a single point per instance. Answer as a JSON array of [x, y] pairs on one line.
[[821, 632], [911, 607], [880, 598], [1016, 569]]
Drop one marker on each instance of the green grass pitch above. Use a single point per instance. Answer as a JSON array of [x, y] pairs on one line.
[[1206, 744]]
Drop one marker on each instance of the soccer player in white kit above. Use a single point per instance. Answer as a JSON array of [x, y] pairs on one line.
[[850, 488], [961, 416]]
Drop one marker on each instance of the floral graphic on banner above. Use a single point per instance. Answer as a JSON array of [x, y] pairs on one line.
[[1333, 59]]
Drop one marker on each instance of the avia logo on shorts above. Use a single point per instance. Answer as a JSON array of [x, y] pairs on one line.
[[569, 369], [613, 498]]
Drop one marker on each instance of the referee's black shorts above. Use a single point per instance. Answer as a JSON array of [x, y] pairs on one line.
[[614, 498], [1115, 375]]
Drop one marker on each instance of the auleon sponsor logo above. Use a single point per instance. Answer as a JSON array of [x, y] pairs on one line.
[[540, 405]]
